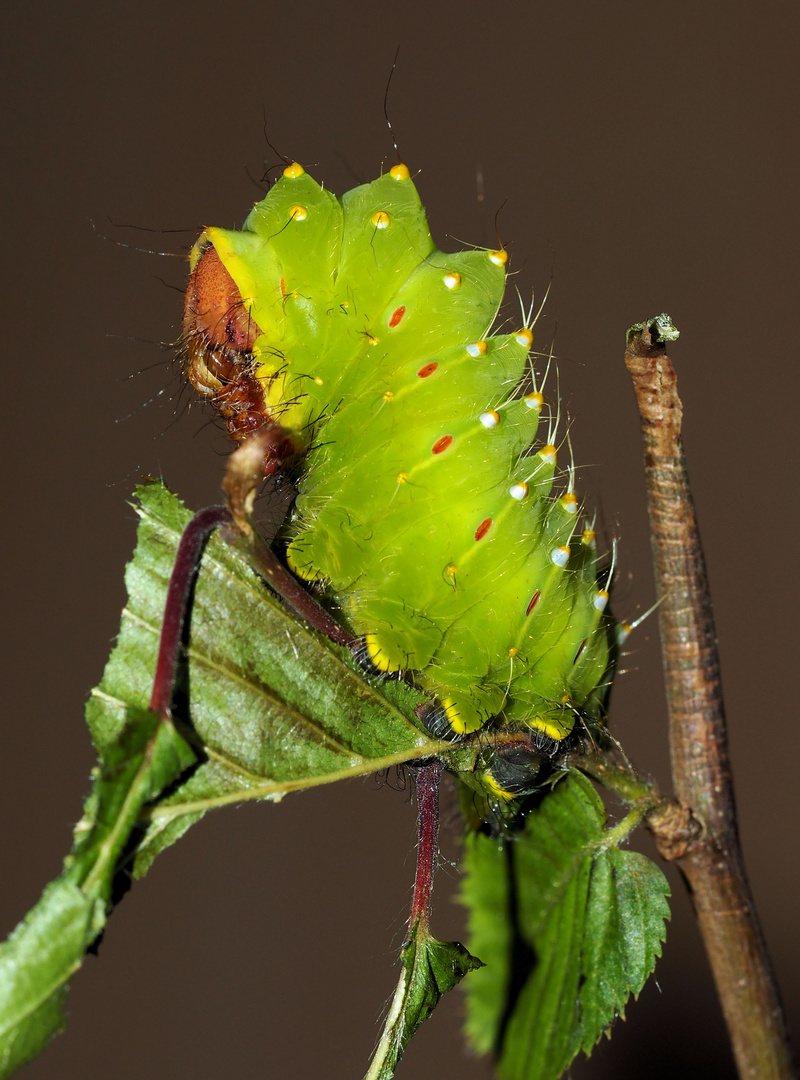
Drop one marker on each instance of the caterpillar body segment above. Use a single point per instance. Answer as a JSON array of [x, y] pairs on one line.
[[430, 502]]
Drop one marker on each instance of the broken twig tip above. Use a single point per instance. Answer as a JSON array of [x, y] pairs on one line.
[[660, 330]]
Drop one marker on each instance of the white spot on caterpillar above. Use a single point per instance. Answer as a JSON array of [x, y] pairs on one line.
[[490, 419], [452, 280], [569, 502], [518, 491], [560, 556], [549, 454], [477, 348], [534, 400], [600, 600], [524, 337]]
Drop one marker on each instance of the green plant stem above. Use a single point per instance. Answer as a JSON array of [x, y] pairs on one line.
[[711, 860], [620, 779]]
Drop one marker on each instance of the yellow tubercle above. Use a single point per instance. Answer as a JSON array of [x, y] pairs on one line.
[[524, 337], [600, 600], [293, 171], [380, 219], [452, 280], [402, 478], [399, 172], [298, 213], [549, 454], [560, 556], [499, 258], [588, 537], [569, 502]]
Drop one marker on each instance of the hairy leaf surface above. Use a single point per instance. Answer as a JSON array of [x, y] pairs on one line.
[[430, 969], [568, 925], [49, 944], [270, 706]]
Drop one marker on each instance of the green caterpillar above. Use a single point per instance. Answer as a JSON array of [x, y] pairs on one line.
[[430, 505]]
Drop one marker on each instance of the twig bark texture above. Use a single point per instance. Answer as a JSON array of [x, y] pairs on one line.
[[711, 861]]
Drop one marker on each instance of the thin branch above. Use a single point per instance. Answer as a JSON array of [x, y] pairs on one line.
[[712, 860]]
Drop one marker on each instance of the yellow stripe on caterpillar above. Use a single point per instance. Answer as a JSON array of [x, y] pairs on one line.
[[378, 655]]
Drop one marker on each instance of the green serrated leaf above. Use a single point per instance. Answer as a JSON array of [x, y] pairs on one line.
[[266, 708], [430, 969], [35, 964], [46, 949], [273, 707], [569, 927]]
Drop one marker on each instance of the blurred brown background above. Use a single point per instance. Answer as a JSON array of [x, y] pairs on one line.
[[647, 156]]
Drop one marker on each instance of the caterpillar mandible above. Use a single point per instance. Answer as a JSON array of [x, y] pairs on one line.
[[430, 505]]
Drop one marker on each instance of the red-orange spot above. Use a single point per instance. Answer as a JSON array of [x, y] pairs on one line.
[[442, 444], [534, 601], [427, 369], [283, 287], [397, 315], [483, 528]]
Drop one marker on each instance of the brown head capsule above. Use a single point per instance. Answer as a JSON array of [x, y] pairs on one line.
[[219, 334]]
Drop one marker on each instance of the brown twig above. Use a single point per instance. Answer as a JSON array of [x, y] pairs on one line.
[[711, 861]]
